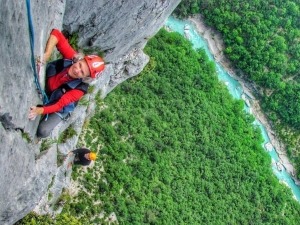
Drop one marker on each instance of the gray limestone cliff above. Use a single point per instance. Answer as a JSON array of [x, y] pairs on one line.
[[120, 28]]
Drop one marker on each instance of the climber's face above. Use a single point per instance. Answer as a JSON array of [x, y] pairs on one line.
[[79, 69]]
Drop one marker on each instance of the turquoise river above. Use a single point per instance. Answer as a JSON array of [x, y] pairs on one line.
[[235, 88]]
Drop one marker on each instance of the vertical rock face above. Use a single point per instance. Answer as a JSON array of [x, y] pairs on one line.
[[119, 28], [24, 176]]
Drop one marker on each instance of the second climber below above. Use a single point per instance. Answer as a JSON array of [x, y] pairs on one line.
[[66, 82], [82, 156]]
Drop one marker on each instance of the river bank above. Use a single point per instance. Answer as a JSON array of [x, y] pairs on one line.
[[216, 46]]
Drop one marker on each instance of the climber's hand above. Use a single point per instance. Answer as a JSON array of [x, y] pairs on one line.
[[34, 112], [40, 61]]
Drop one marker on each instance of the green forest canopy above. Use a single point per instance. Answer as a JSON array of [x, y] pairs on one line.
[[179, 150], [262, 39]]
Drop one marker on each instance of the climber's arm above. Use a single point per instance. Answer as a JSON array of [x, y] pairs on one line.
[[58, 40], [67, 98], [63, 45], [51, 43], [81, 150]]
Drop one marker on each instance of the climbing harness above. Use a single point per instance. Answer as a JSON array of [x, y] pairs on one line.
[[31, 37], [54, 68]]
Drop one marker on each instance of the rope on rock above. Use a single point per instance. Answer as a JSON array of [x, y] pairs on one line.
[[31, 37]]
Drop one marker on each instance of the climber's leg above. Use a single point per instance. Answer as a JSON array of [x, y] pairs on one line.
[[47, 125]]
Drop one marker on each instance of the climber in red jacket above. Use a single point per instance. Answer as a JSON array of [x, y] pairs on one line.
[[66, 82]]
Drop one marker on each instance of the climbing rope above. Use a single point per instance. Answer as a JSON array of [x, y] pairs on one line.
[[31, 37]]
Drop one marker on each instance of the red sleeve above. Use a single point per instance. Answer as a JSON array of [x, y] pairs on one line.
[[63, 45], [69, 97]]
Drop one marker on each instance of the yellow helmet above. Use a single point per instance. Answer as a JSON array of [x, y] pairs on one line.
[[93, 156]]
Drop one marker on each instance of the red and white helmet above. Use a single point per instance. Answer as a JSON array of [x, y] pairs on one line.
[[95, 64]]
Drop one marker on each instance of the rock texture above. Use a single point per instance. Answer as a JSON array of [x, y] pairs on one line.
[[116, 26], [120, 28]]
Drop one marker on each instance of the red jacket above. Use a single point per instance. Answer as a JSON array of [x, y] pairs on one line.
[[57, 80]]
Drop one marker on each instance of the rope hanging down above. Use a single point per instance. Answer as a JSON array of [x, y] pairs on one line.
[[31, 37]]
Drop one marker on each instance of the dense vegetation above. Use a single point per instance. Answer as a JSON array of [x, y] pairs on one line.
[[262, 39], [177, 149]]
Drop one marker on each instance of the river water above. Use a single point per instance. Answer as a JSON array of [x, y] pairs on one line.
[[187, 29]]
